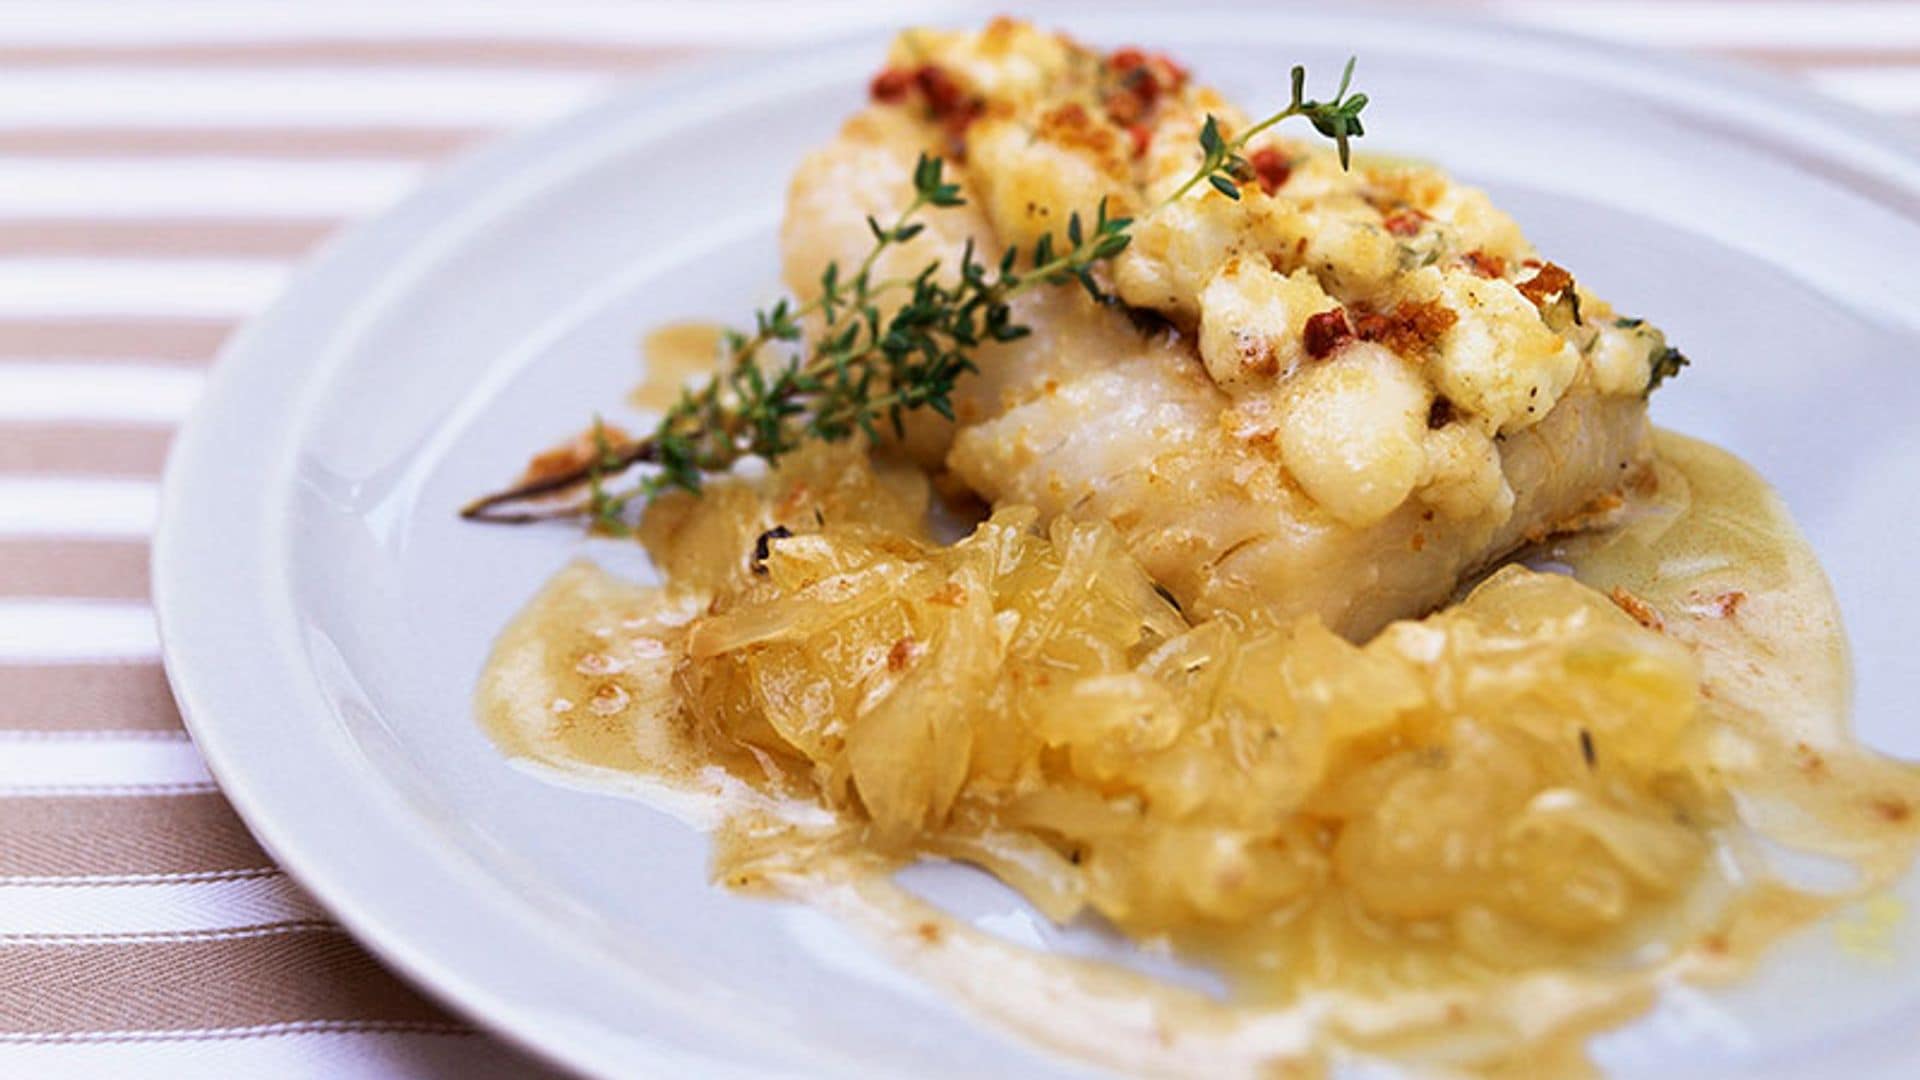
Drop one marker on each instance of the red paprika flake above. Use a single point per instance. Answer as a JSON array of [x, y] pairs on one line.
[[944, 96], [1164, 72], [1324, 332], [1486, 265], [1139, 80], [1404, 221], [1271, 168], [1547, 282], [1409, 329], [890, 86]]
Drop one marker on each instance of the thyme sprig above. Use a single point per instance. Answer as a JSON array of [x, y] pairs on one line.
[[861, 368], [1337, 119]]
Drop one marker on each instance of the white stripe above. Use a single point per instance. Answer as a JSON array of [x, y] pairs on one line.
[[200, 187], [1890, 89], [288, 97], [46, 631], [1805, 24], [160, 908], [115, 392], [159, 287], [104, 508], [41, 764], [634, 22], [285, 1055]]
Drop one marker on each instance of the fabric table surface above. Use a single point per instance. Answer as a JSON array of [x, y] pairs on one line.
[[163, 170]]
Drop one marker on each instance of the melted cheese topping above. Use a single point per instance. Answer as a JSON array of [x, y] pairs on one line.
[[1039, 129]]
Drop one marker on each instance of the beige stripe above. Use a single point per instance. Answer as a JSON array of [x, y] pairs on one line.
[[86, 697], [424, 143], [470, 52], [83, 449], [80, 569], [89, 236], [191, 340], [304, 974], [119, 836]]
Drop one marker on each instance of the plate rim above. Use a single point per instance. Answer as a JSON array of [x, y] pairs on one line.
[[202, 537]]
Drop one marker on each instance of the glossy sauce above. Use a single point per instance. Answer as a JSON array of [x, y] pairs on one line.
[[579, 686], [674, 354]]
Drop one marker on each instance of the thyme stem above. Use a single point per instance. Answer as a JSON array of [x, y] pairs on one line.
[[863, 368]]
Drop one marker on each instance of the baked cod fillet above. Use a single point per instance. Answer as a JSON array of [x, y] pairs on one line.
[[1339, 394]]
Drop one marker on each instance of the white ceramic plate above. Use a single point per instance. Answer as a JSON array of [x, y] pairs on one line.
[[325, 614]]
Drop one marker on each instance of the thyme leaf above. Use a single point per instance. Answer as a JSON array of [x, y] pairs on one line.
[[1666, 365]]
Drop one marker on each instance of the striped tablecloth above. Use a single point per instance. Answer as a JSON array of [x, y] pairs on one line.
[[162, 171]]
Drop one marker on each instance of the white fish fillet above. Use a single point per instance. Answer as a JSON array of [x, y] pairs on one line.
[[1096, 417]]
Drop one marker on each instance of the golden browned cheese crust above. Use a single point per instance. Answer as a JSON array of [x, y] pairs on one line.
[[1354, 386]]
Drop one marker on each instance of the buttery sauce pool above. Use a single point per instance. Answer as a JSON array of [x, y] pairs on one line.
[[579, 687]]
